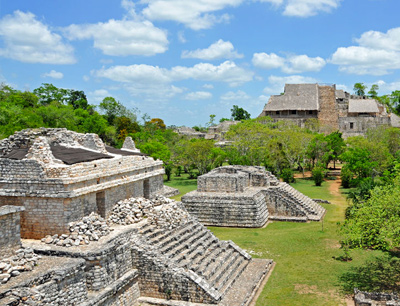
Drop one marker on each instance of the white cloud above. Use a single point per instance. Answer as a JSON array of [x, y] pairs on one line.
[[86, 78], [303, 63], [291, 64], [196, 15], [28, 40], [378, 40], [362, 60], [268, 61], [181, 37], [227, 72], [208, 86], [198, 95], [95, 97], [53, 74], [307, 8], [239, 95], [218, 50], [122, 37], [377, 54], [277, 83]]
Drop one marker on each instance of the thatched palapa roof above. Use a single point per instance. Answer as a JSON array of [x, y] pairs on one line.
[[363, 106]]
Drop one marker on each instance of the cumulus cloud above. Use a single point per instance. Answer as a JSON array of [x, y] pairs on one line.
[[28, 40], [218, 50], [378, 40], [53, 74], [277, 83], [122, 37], [227, 72], [196, 15], [361, 60], [239, 95], [268, 61], [208, 86], [290, 64], [198, 95], [307, 8], [377, 53]]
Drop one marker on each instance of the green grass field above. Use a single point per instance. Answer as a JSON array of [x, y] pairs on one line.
[[306, 272]]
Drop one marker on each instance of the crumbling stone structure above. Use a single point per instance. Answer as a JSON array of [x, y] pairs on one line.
[[149, 252], [166, 254], [375, 299], [334, 109], [246, 196], [59, 176]]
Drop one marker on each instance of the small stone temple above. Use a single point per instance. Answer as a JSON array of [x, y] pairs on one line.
[[247, 196], [97, 232]]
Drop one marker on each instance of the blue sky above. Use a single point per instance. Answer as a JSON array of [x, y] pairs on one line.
[[182, 60]]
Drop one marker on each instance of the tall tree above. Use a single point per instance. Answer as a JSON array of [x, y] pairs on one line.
[[373, 92], [359, 89], [239, 113]]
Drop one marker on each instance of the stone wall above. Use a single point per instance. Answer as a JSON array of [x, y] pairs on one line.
[[246, 209], [375, 299], [360, 125], [10, 238], [328, 114]]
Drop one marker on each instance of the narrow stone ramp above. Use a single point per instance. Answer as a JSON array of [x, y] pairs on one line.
[[299, 204]]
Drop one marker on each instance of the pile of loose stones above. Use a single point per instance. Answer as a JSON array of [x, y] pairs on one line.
[[90, 228], [23, 260], [160, 211]]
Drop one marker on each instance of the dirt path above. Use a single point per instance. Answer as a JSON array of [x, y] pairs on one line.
[[334, 187]]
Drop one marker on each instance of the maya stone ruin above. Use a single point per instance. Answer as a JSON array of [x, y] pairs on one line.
[[96, 230], [247, 196]]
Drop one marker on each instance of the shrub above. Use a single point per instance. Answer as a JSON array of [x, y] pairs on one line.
[[346, 176], [287, 175], [318, 174]]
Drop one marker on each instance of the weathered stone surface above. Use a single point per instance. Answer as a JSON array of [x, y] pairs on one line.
[[244, 196]]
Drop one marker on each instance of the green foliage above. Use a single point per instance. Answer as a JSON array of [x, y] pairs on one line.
[[224, 119], [318, 174], [346, 176], [382, 274], [375, 223], [359, 89], [239, 114], [287, 175], [373, 92]]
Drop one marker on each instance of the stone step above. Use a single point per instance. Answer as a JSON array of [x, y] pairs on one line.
[[177, 235], [208, 270], [197, 250], [221, 272], [176, 248], [233, 275], [210, 255], [163, 234]]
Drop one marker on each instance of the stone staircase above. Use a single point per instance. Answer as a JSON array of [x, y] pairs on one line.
[[313, 211], [192, 247]]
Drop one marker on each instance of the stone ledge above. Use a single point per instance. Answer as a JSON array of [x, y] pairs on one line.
[[147, 301], [10, 209]]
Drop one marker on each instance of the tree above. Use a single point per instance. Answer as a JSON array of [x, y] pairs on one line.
[[223, 119], [359, 89], [239, 113], [48, 93], [375, 224], [373, 92], [77, 99], [335, 146], [212, 121], [111, 108]]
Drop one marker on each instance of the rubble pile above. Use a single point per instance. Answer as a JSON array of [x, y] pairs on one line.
[[90, 228], [23, 260], [159, 211]]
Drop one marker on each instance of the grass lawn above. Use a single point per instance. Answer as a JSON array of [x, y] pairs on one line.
[[306, 272]]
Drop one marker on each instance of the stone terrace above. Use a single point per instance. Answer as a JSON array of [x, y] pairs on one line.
[[245, 196]]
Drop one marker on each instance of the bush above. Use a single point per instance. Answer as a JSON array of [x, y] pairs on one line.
[[287, 175], [318, 174], [346, 176], [381, 274]]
